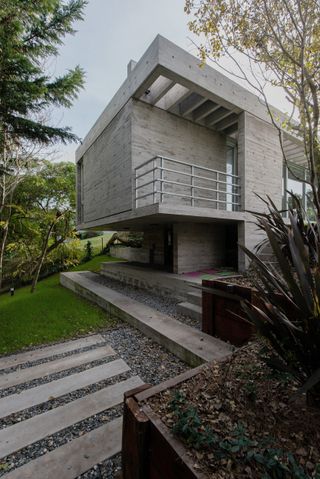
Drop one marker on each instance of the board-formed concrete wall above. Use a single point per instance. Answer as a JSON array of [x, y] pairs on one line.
[[107, 172], [198, 246], [158, 132], [260, 163]]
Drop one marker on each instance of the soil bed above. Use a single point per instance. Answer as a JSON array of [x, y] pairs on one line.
[[244, 280], [238, 420]]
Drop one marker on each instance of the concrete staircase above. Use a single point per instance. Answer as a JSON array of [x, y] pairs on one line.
[[193, 306]]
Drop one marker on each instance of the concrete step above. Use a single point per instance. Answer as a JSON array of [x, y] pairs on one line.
[[40, 394], [191, 345], [48, 351], [22, 434], [195, 297], [76, 457], [191, 310], [45, 369]]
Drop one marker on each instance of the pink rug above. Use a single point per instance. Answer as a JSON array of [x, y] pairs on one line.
[[205, 272]]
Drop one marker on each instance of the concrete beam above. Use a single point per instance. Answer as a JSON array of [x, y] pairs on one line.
[[173, 97], [157, 90], [205, 110], [217, 116], [192, 102], [232, 129], [226, 122]]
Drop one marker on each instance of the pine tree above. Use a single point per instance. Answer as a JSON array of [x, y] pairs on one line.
[[31, 32]]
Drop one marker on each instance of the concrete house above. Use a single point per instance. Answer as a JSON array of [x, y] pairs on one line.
[[179, 154]]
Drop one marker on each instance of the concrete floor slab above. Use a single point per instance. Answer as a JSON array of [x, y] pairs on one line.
[[76, 457], [52, 350], [38, 427], [192, 346], [45, 369], [40, 394]]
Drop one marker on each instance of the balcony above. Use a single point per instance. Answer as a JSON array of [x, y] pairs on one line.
[[166, 180]]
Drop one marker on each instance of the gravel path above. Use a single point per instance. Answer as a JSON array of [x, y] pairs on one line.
[[163, 304], [147, 359]]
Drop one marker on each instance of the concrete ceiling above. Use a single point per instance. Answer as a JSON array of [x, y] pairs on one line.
[[168, 95]]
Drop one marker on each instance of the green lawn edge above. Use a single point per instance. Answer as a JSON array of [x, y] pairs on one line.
[[50, 314]]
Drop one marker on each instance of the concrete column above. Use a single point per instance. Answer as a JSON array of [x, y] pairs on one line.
[[260, 169]]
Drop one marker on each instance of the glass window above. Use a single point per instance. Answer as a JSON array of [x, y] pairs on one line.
[[293, 181], [232, 198]]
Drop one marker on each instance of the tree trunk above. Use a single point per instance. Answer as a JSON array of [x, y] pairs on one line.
[[4, 242], [41, 258], [2, 249]]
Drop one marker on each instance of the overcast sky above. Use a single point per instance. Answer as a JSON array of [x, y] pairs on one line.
[[112, 33]]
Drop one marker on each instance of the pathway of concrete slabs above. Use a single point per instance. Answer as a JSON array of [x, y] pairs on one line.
[[82, 453], [192, 346]]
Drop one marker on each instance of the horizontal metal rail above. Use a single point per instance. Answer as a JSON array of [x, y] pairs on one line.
[[146, 172], [196, 197], [229, 183], [180, 195], [170, 182], [185, 163], [185, 173], [187, 185]]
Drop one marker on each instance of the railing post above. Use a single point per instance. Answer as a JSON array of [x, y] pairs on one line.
[[135, 189], [218, 192], [161, 179], [192, 185], [154, 180]]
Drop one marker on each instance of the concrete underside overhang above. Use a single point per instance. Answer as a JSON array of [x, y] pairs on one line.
[[165, 214]]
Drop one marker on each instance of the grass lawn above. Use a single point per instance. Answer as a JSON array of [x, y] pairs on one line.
[[49, 314], [96, 242]]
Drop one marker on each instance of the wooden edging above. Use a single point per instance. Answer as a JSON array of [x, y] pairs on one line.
[[168, 451], [170, 383], [148, 446]]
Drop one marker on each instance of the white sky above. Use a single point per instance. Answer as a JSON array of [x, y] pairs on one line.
[[112, 33]]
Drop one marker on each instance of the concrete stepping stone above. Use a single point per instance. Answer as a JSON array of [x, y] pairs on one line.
[[45, 369], [22, 434], [76, 457], [48, 351], [40, 394]]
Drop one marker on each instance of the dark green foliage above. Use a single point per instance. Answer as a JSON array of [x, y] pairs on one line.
[[189, 426], [30, 33], [274, 462], [288, 314], [88, 251]]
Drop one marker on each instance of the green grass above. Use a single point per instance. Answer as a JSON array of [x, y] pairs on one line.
[[49, 314], [96, 242]]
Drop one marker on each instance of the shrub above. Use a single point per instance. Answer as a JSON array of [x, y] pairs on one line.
[[88, 251]]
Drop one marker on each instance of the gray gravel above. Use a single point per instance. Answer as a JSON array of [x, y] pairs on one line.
[[147, 359], [163, 304]]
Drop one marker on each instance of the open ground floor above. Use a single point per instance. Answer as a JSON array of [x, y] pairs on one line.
[[187, 247]]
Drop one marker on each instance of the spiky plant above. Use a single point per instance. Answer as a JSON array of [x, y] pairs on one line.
[[288, 313]]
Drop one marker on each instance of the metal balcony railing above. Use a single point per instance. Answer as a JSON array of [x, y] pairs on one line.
[[166, 180]]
